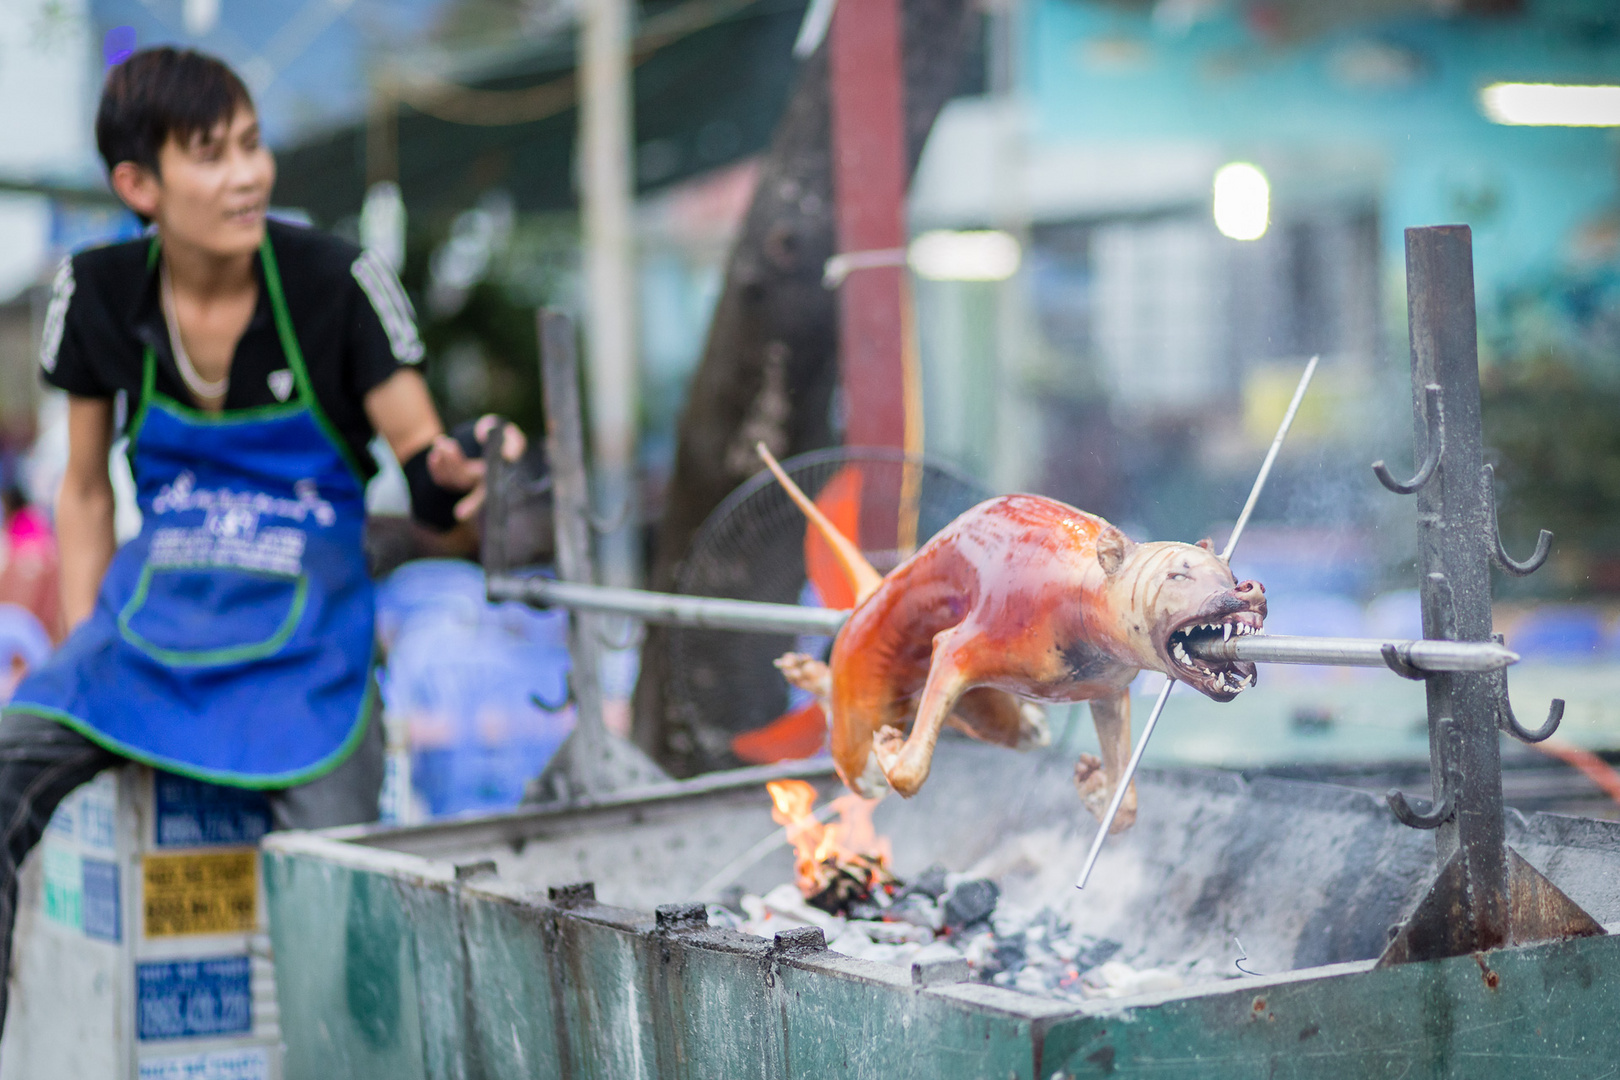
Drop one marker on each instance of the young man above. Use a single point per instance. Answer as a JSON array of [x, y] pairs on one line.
[[250, 363]]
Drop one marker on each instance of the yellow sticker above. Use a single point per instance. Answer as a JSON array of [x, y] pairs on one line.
[[212, 893]]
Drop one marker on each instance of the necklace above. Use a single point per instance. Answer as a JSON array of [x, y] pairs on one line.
[[201, 388]]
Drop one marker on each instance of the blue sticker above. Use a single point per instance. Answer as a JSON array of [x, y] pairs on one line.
[[183, 999], [191, 813], [98, 818], [101, 906]]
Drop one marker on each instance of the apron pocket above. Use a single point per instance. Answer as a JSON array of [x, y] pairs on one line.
[[208, 617]]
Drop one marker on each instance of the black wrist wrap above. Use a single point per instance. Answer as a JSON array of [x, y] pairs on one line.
[[431, 504]]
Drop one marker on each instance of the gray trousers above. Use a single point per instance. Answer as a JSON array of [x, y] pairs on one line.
[[41, 762]]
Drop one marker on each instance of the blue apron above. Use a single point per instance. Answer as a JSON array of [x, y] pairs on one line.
[[232, 639]]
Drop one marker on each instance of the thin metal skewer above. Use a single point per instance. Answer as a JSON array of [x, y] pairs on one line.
[[1271, 458], [1124, 784]]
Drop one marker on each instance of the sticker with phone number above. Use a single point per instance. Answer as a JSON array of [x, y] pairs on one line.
[[212, 892]]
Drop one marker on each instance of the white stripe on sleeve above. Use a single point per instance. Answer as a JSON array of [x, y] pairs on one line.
[[392, 306], [50, 342]]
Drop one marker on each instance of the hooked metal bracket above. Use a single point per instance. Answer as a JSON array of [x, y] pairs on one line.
[[1438, 811], [1397, 664], [1443, 607], [1436, 816], [1485, 896], [1434, 418], [1510, 723], [547, 707], [1498, 553]]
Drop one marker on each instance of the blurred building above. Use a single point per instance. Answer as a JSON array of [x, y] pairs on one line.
[[1135, 359], [1139, 358]]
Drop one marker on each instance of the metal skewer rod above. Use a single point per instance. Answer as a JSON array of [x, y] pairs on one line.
[[1422, 653], [1124, 784], [714, 613], [1271, 459]]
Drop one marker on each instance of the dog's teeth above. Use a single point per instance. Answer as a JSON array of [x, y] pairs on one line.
[[1226, 631]]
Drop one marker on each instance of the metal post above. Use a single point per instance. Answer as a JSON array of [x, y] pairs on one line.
[[592, 761], [1453, 561], [607, 201], [565, 450], [1485, 895]]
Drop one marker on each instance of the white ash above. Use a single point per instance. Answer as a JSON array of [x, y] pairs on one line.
[[942, 916]]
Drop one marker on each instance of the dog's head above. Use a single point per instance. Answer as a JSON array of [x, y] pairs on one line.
[[1171, 595]]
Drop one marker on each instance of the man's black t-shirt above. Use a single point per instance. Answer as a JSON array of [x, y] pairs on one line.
[[353, 321]]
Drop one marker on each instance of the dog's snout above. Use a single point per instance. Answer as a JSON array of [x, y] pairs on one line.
[[1249, 590]]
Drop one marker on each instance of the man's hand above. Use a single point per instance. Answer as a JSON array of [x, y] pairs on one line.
[[453, 469]]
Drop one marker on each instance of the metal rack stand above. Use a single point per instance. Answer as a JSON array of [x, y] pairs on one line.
[[1485, 896], [592, 762]]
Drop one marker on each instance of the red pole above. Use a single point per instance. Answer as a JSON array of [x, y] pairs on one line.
[[869, 184]]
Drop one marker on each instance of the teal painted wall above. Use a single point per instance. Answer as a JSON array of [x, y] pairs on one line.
[[1419, 143]]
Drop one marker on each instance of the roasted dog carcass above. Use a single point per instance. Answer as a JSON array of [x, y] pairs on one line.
[[1021, 599]]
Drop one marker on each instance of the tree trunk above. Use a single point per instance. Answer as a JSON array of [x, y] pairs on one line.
[[770, 364]]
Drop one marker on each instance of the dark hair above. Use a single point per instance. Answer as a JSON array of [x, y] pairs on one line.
[[161, 92]]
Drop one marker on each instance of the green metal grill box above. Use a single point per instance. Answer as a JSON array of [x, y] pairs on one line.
[[459, 950]]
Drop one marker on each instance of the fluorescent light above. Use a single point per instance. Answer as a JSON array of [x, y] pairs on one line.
[[1242, 201], [1551, 105], [979, 255]]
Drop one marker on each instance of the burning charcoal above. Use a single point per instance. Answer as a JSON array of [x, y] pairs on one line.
[[970, 902], [897, 933], [866, 910], [918, 910], [1098, 952], [929, 883], [849, 880], [1008, 953]]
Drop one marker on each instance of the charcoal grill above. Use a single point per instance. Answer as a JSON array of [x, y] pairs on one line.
[[571, 939], [476, 948]]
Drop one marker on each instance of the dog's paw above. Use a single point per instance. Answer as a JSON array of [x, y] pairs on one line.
[[806, 673], [887, 743], [1096, 792]]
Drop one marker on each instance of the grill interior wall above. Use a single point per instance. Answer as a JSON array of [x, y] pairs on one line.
[[1305, 874]]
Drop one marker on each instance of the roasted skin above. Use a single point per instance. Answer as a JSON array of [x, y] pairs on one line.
[[1021, 599]]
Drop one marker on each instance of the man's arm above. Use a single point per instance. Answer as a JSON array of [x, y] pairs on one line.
[[84, 507], [403, 414]]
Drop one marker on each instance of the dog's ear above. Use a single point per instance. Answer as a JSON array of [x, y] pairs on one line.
[[1207, 544], [1112, 547]]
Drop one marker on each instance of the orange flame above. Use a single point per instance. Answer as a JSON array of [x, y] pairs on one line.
[[816, 847]]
